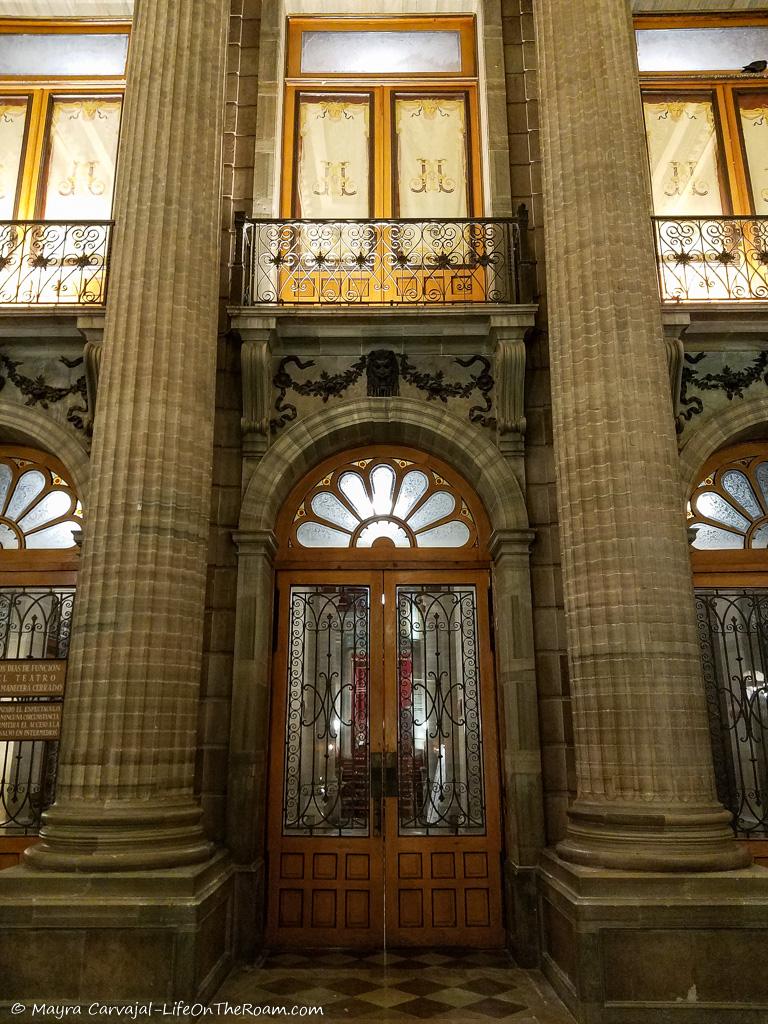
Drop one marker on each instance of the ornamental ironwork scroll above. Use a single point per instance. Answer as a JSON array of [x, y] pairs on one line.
[[712, 258], [35, 626], [327, 769], [733, 638], [380, 262], [49, 263], [440, 762]]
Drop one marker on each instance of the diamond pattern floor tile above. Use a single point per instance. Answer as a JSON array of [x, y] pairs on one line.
[[398, 987]]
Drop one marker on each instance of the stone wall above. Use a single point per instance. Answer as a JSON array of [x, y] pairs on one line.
[[548, 616], [221, 592]]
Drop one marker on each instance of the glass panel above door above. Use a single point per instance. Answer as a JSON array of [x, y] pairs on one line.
[[432, 164], [327, 775], [440, 761], [753, 114], [687, 175], [371, 53], [13, 122], [333, 158], [81, 157], [63, 53], [700, 49]]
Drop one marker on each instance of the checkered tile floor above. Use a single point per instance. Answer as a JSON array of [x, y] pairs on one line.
[[418, 985]]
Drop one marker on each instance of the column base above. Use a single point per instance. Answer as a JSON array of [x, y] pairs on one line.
[[139, 836], [624, 947], [676, 839], [115, 938]]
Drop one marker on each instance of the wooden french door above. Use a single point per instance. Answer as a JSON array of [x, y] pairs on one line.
[[384, 824]]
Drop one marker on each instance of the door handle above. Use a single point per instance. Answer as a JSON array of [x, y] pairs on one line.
[[390, 773]]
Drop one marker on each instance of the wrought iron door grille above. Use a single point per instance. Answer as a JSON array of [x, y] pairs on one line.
[[35, 623], [54, 263], [327, 756], [733, 636], [440, 761], [712, 259], [382, 262]]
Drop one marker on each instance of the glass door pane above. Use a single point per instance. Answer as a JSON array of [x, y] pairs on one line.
[[440, 761], [81, 156], [687, 173], [753, 115], [327, 773], [733, 632], [432, 162], [14, 111], [333, 157]]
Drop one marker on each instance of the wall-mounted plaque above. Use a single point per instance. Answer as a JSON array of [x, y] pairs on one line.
[[38, 721], [30, 677]]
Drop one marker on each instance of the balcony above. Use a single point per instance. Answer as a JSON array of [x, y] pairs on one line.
[[383, 263], [712, 259], [54, 263]]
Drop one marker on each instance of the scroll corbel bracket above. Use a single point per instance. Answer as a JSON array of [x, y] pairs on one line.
[[91, 326], [256, 374], [92, 352], [675, 326], [510, 360]]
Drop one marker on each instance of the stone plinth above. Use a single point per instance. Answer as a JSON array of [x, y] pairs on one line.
[[623, 947]]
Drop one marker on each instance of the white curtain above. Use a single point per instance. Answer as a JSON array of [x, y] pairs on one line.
[[753, 108], [432, 157], [334, 162], [682, 144]]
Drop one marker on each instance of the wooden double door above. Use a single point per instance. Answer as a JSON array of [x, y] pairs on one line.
[[384, 824]]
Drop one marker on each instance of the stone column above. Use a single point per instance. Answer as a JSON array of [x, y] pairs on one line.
[[646, 797], [124, 793]]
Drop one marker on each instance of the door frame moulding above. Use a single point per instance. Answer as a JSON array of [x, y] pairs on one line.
[[393, 421], [493, 128]]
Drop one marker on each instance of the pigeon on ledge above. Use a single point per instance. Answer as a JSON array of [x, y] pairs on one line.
[[755, 68]]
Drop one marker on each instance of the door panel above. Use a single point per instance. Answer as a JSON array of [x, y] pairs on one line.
[[384, 786], [325, 863], [443, 845]]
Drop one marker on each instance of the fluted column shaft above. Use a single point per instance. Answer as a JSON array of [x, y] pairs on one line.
[[646, 795], [124, 793]]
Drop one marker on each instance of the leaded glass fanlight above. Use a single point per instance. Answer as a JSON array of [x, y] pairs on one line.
[[393, 501], [38, 507], [729, 508]]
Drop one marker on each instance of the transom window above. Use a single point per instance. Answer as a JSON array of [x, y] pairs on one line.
[[61, 96], [381, 119], [385, 502], [38, 507]]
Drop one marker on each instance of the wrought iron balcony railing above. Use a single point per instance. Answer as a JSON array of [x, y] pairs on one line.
[[54, 263], [712, 259], [382, 262]]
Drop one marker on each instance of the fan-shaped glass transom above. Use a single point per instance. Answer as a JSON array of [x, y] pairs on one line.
[[383, 502], [38, 508], [729, 509]]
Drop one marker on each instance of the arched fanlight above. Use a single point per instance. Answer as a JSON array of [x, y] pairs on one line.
[[38, 507], [383, 501], [729, 508]]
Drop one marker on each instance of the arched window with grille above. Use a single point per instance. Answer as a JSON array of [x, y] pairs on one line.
[[40, 521], [728, 532]]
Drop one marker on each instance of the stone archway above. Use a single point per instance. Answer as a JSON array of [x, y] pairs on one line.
[[389, 421], [720, 430], [21, 425], [433, 430]]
